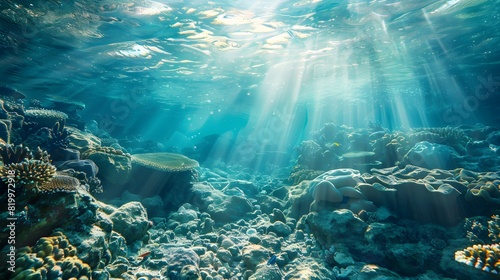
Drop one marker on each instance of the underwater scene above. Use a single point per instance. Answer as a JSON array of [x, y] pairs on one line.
[[252, 140]]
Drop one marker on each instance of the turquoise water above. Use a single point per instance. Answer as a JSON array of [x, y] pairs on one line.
[[264, 97]]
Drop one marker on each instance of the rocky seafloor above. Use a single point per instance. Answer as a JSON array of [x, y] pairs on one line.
[[357, 204]]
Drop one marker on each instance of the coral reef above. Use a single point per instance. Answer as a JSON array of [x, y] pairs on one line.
[[50, 258]]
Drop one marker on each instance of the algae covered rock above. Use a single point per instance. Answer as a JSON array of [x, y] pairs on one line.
[[131, 221], [253, 255], [114, 165], [82, 141], [183, 264], [330, 227]]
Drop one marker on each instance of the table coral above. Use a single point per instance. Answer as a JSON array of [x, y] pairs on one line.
[[60, 183]]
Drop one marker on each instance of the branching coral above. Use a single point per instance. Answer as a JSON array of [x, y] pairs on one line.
[[29, 173], [59, 136], [14, 154], [494, 228]]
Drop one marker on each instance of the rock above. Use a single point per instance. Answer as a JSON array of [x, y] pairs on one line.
[[329, 227], [131, 221], [412, 259], [431, 155], [267, 272], [82, 141], [183, 264], [280, 228], [86, 165], [253, 255], [114, 167], [381, 234], [249, 188], [373, 272], [343, 259], [231, 210], [155, 206], [184, 215], [299, 200]]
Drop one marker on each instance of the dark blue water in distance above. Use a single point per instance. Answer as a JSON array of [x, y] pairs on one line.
[[267, 94]]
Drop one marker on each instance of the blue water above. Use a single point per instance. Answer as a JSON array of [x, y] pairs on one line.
[[256, 73]]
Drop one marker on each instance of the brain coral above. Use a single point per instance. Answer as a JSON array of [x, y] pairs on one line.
[[168, 162]]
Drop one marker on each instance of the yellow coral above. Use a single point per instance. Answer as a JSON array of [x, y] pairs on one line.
[[29, 173], [483, 257], [53, 257]]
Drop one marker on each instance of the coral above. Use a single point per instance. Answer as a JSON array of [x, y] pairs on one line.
[[95, 185], [483, 257], [60, 183], [59, 136], [494, 228], [477, 231], [168, 162], [30, 172], [452, 136], [309, 154], [50, 258], [487, 190], [14, 154], [299, 175], [106, 150], [5, 128], [337, 187], [45, 118]]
